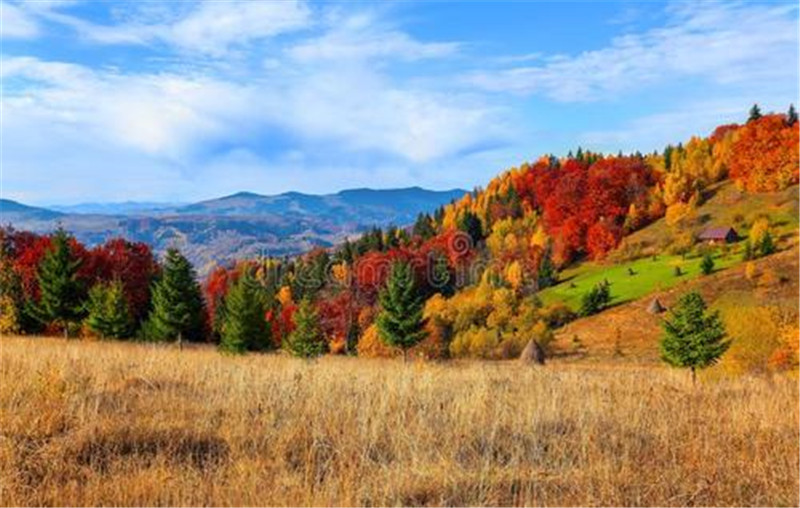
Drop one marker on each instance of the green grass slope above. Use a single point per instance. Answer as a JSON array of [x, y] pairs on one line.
[[631, 280]]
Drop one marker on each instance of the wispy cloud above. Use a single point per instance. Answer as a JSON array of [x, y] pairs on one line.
[[16, 23], [209, 27], [729, 43]]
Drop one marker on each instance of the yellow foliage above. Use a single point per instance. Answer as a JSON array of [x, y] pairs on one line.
[[750, 271], [9, 316], [514, 275], [757, 231], [756, 333], [370, 345], [341, 273], [677, 212], [285, 296]]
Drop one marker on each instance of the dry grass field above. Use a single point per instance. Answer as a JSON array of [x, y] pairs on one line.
[[86, 423]]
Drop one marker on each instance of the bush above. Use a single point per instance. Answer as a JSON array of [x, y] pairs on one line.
[[595, 300], [707, 264]]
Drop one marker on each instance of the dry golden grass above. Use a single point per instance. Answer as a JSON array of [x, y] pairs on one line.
[[122, 424]]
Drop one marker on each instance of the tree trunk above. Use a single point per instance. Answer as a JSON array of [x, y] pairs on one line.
[[405, 355], [694, 377], [66, 330], [180, 341]]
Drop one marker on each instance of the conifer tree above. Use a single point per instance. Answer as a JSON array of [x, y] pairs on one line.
[[306, 340], [400, 322], [596, 299], [766, 246], [707, 264], [244, 326], [469, 223], [791, 116], [755, 113], [108, 310], [61, 294], [547, 270], [692, 337], [423, 227], [178, 306]]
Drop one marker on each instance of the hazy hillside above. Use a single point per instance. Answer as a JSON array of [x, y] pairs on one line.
[[241, 225]]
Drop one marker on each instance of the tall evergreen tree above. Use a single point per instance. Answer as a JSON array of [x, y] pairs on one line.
[[61, 294], [547, 271], [469, 223], [692, 337], [755, 113], [306, 340], [791, 116], [244, 326], [400, 322], [108, 312], [766, 246], [423, 227], [596, 299], [707, 264], [178, 307]]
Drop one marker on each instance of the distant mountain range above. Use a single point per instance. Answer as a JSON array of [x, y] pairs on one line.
[[236, 226]]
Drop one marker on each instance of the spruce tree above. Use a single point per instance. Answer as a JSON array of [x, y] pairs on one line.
[[766, 246], [306, 340], [692, 337], [400, 322], [423, 227], [108, 310], [469, 223], [61, 294], [596, 299], [755, 113], [178, 307], [547, 271], [244, 326], [707, 264], [791, 116]]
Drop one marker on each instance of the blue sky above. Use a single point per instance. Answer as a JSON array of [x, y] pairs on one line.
[[184, 100]]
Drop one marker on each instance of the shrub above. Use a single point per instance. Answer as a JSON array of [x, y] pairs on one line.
[[596, 299]]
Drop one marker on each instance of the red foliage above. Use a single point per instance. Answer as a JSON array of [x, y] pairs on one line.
[[337, 315], [215, 288], [721, 131], [29, 249], [132, 263], [601, 238], [765, 155], [281, 322]]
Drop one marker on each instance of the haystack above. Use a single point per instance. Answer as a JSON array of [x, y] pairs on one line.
[[655, 307], [532, 354]]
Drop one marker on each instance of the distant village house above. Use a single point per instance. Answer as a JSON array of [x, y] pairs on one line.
[[719, 235]]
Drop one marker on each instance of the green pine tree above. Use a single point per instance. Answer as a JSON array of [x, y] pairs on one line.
[[596, 299], [244, 326], [400, 321], [766, 246], [178, 308], [547, 275], [470, 224], [755, 113], [692, 337], [707, 264], [747, 251], [306, 340], [61, 294], [108, 312], [791, 116], [424, 227]]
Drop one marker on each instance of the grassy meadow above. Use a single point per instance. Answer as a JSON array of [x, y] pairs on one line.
[[89, 423]]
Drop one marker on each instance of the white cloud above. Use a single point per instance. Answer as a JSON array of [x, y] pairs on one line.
[[725, 43], [15, 23], [208, 27], [360, 37]]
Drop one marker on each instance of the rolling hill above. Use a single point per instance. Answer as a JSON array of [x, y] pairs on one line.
[[240, 225]]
